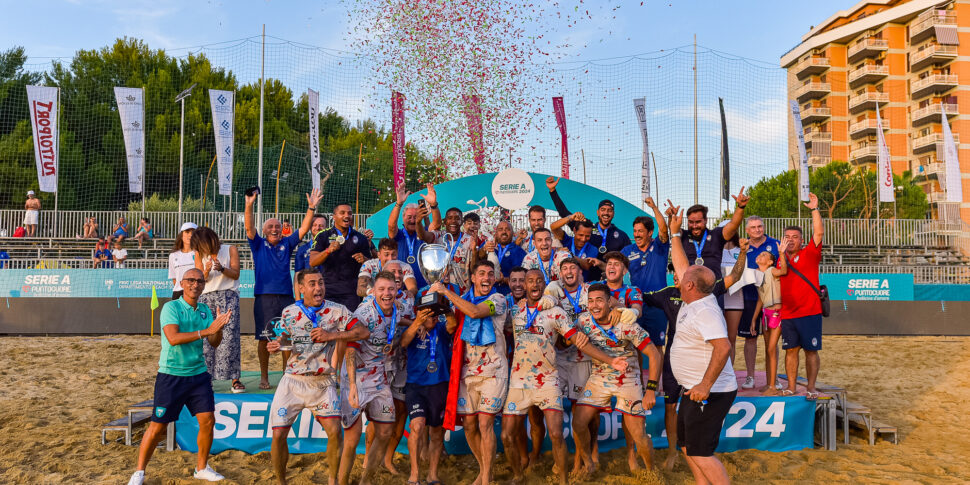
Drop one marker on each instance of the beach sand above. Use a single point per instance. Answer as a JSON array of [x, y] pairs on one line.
[[58, 391]]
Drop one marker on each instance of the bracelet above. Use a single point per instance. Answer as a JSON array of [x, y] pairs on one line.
[[675, 234], [311, 208], [200, 334], [433, 206], [652, 385], [742, 206]]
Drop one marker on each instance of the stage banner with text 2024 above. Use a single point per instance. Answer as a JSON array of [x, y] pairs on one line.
[[763, 423]]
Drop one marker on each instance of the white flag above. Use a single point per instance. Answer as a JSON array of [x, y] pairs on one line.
[[641, 110], [951, 162], [313, 100], [803, 160], [887, 188], [131, 109], [42, 103], [223, 126]]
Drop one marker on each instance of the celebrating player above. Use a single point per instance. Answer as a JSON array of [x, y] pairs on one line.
[[545, 257]]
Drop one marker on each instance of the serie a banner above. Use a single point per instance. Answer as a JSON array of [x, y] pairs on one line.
[[762, 423]]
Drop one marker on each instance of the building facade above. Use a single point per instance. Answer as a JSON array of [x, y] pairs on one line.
[[908, 59]]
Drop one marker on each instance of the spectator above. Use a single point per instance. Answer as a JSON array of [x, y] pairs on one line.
[[90, 229], [144, 232], [119, 254], [4, 257], [31, 213], [182, 258], [120, 231], [102, 256], [758, 243], [287, 229]]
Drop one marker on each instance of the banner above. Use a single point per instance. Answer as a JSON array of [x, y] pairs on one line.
[[884, 174], [313, 101], [42, 102], [560, 111], [397, 137], [951, 162], [223, 126], [131, 109], [803, 160], [865, 287], [762, 423], [725, 163], [473, 115], [639, 105], [97, 283]]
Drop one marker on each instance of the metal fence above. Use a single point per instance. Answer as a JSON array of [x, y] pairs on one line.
[[869, 232]]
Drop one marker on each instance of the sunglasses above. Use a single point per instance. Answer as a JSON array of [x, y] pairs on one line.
[[197, 281]]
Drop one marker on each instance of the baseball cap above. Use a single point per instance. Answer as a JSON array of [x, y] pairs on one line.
[[606, 202], [30, 192], [187, 226]]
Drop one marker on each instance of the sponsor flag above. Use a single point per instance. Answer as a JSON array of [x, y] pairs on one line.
[[313, 101], [131, 109], [887, 189], [397, 137], [561, 124], [223, 126], [473, 115], [639, 105], [725, 159], [803, 155], [42, 102], [154, 298], [951, 162]]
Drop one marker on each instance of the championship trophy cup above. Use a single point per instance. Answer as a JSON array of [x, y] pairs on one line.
[[434, 260]]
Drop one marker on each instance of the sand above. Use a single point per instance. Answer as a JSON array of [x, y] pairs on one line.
[[57, 391]]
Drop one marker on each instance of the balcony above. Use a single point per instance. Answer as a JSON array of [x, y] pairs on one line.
[[866, 154], [817, 136], [931, 113], [936, 197], [867, 74], [934, 83], [812, 91], [865, 128], [930, 171], [810, 66], [924, 26], [812, 115], [867, 101], [818, 161], [867, 48], [931, 142], [933, 54]]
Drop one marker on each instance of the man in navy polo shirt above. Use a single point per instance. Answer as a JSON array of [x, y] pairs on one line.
[[648, 267], [508, 254], [606, 236], [705, 246], [301, 260], [273, 287], [408, 243], [340, 252], [578, 244], [758, 243]]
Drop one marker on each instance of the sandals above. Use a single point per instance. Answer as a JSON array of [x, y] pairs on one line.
[[238, 387], [264, 385], [812, 396], [787, 392]]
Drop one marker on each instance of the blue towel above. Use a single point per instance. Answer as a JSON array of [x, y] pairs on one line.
[[478, 331]]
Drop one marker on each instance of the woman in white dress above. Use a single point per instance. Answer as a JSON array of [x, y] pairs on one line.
[[220, 266], [181, 259]]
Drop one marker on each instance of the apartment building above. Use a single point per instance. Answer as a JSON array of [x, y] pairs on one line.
[[908, 59]]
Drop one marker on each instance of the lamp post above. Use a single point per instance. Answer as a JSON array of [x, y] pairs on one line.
[[181, 99]]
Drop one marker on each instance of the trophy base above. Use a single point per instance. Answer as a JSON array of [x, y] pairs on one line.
[[435, 302]]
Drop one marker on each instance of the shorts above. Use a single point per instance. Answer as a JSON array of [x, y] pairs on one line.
[[629, 398], [545, 398], [427, 402], [397, 379], [804, 332], [480, 394], [573, 377], [120, 233], [773, 317], [671, 387], [654, 322], [376, 402], [744, 328], [174, 392], [298, 392], [699, 426], [266, 308], [31, 217]]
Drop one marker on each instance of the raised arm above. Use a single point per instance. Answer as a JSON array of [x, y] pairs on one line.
[[402, 195], [551, 183], [662, 234], [423, 319], [425, 235], [431, 200], [739, 265], [677, 255], [249, 219], [818, 229], [312, 199], [481, 310], [782, 268]]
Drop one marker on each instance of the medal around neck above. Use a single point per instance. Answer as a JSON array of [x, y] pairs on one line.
[[340, 239], [434, 261]]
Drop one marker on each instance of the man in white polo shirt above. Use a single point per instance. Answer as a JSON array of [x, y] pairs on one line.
[[699, 358]]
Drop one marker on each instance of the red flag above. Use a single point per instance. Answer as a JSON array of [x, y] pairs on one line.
[[473, 115], [457, 361], [561, 124], [397, 132]]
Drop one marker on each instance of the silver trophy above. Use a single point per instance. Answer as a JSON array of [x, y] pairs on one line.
[[434, 260]]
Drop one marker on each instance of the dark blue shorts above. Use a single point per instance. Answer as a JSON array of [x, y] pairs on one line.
[[654, 322], [174, 392], [268, 307], [804, 332], [427, 402], [744, 327], [670, 386]]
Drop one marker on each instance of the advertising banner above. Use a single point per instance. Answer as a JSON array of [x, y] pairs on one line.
[[42, 103], [313, 101], [397, 137], [639, 105], [802, 154], [884, 173], [863, 287], [223, 126], [560, 111], [131, 109], [97, 283]]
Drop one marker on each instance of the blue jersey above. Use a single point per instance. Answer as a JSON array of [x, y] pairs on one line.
[[408, 248], [587, 251], [648, 272], [508, 257], [301, 260], [103, 253], [272, 265], [770, 245], [419, 356]]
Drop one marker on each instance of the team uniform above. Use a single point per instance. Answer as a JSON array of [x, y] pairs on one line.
[[461, 256], [621, 340], [310, 380], [408, 248], [428, 359], [626, 295], [340, 269], [535, 378], [648, 272], [485, 368], [528, 245], [397, 372], [509, 256], [587, 251], [373, 388], [573, 364], [371, 267], [550, 269]]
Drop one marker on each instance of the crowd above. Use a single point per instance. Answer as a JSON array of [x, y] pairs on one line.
[[532, 318]]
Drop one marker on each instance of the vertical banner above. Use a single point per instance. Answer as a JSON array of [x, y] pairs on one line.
[[42, 102], [313, 101], [561, 124], [223, 126], [397, 137], [639, 105], [725, 159], [951, 162], [803, 156], [473, 115], [131, 110], [887, 189]]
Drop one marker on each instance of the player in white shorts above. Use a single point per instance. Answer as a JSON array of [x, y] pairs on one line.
[[316, 328]]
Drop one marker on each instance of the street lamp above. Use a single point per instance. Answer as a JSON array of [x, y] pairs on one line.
[[181, 99]]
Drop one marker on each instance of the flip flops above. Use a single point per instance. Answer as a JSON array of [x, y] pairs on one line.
[[787, 392]]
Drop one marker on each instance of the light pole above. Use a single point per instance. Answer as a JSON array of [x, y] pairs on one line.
[[181, 99]]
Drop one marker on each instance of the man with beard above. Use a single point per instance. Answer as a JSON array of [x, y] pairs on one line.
[[273, 287], [462, 248], [508, 254], [534, 378], [386, 251], [648, 264], [481, 387], [317, 329], [607, 237], [537, 220], [301, 260], [705, 246], [578, 244], [545, 257], [340, 251], [607, 382], [408, 242]]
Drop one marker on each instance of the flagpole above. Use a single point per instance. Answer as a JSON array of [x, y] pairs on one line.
[[259, 169], [582, 152]]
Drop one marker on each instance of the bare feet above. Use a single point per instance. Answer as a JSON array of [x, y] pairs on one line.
[[631, 459], [770, 391], [671, 459], [264, 384], [582, 473], [389, 466]]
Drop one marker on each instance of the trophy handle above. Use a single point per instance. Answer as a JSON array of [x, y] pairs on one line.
[[452, 238]]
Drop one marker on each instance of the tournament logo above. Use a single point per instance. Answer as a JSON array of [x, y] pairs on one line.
[[461, 401], [512, 188], [587, 393], [281, 412], [511, 406], [159, 411]]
